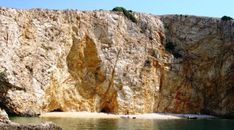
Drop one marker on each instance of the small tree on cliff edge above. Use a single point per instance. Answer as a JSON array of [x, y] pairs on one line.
[[226, 18], [127, 13]]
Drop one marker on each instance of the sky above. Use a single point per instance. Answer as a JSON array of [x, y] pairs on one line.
[[212, 8]]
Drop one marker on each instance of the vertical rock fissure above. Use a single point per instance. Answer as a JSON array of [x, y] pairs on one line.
[[108, 101]]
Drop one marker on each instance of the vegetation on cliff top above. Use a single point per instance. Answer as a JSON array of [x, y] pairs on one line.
[[127, 13], [226, 18]]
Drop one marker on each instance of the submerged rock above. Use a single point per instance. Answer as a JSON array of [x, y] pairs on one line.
[[6, 124], [15, 126], [100, 61]]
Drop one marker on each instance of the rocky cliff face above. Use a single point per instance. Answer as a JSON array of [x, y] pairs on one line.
[[100, 61], [201, 73]]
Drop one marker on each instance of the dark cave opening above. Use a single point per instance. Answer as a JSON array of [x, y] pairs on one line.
[[57, 110], [105, 110]]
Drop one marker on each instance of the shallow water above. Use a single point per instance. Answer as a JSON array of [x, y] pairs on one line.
[[131, 124]]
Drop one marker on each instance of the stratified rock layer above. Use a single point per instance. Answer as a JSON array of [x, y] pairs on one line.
[[100, 61]]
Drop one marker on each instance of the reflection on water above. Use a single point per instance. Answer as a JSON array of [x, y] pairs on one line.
[[131, 124]]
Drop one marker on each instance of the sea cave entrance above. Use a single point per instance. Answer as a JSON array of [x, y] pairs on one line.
[[57, 110], [105, 110]]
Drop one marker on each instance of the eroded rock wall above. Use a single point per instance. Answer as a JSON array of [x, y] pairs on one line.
[[79, 61], [201, 74], [100, 61]]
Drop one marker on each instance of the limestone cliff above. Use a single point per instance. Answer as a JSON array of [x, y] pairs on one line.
[[201, 74], [71, 60]]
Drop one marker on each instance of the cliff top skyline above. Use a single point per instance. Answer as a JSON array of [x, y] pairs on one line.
[[212, 8]]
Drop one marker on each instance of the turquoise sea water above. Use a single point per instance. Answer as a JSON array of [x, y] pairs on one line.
[[131, 124]]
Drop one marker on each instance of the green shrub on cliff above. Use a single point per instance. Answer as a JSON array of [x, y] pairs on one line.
[[127, 13], [2, 75], [3, 79], [226, 18], [171, 47]]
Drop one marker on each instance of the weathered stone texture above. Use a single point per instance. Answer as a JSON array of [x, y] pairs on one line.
[[101, 61], [201, 77]]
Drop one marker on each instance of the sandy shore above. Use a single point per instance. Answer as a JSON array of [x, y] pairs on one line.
[[113, 116]]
